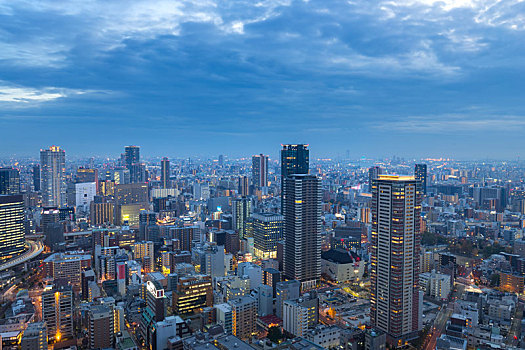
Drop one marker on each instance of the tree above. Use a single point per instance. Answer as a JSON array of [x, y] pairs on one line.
[[275, 334], [494, 280]]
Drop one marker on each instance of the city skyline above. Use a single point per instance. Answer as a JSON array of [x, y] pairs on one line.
[[444, 79]]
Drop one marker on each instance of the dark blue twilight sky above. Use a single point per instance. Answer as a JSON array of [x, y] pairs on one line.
[[203, 77]]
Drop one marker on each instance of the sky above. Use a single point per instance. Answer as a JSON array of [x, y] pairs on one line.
[[413, 78]]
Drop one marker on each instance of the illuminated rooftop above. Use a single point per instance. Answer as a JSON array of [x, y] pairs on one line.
[[396, 177]]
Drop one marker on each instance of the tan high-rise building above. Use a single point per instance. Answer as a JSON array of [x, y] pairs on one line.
[[100, 327], [35, 337], [395, 256], [244, 316], [57, 312], [102, 213]]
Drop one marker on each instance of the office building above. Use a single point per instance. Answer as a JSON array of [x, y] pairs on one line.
[[260, 170], [295, 159], [100, 327], [264, 300], [53, 177], [170, 327], [67, 267], [244, 186], [9, 181], [267, 231], [57, 312], [302, 229], [286, 290], [395, 249], [155, 311], [193, 294], [241, 211], [87, 175], [12, 231], [225, 316], [102, 213], [85, 193], [132, 163], [373, 173], [165, 173], [420, 173], [299, 315], [244, 315], [36, 177], [35, 337]]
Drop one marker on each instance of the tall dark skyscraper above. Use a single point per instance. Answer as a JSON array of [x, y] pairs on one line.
[[36, 177], [394, 295], [302, 229], [9, 181], [260, 170], [373, 173], [53, 177], [132, 163], [165, 173], [244, 186], [12, 233], [420, 172], [295, 159], [241, 211]]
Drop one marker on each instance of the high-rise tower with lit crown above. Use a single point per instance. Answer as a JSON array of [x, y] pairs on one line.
[[395, 241]]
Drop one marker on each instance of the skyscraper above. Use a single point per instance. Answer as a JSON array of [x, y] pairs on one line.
[[12, 232], [420, 172], [295, 159], [244, 186], [394, 295], [267, 231], [132, 163], [57, 312], [165, 173], [241, 211], [9, 181], [36, 177], [260, 170], [53, 177], [373, 173], [302, 229], [100, 327]]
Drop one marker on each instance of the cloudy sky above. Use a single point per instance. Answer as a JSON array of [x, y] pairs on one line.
[[406, 77]]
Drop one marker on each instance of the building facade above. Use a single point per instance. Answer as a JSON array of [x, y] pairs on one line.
[[302, 229], [53, 177], [395, 249], [12, 231]]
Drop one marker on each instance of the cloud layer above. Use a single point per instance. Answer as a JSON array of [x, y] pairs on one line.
[[184, 77]]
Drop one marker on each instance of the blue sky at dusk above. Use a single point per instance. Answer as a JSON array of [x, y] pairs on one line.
[[179, 78]]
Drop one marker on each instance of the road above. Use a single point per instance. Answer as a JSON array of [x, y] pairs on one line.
[[441, 319], [35, 248], [514, 333]]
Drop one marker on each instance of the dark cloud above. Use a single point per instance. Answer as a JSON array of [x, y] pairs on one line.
[[422, 77]]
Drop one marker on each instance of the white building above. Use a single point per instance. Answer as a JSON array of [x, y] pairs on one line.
[[437, 285], [224, 316], [265, 300], [85, 193], [327, 337], [253, 271], [342, 266], [173, 325]]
